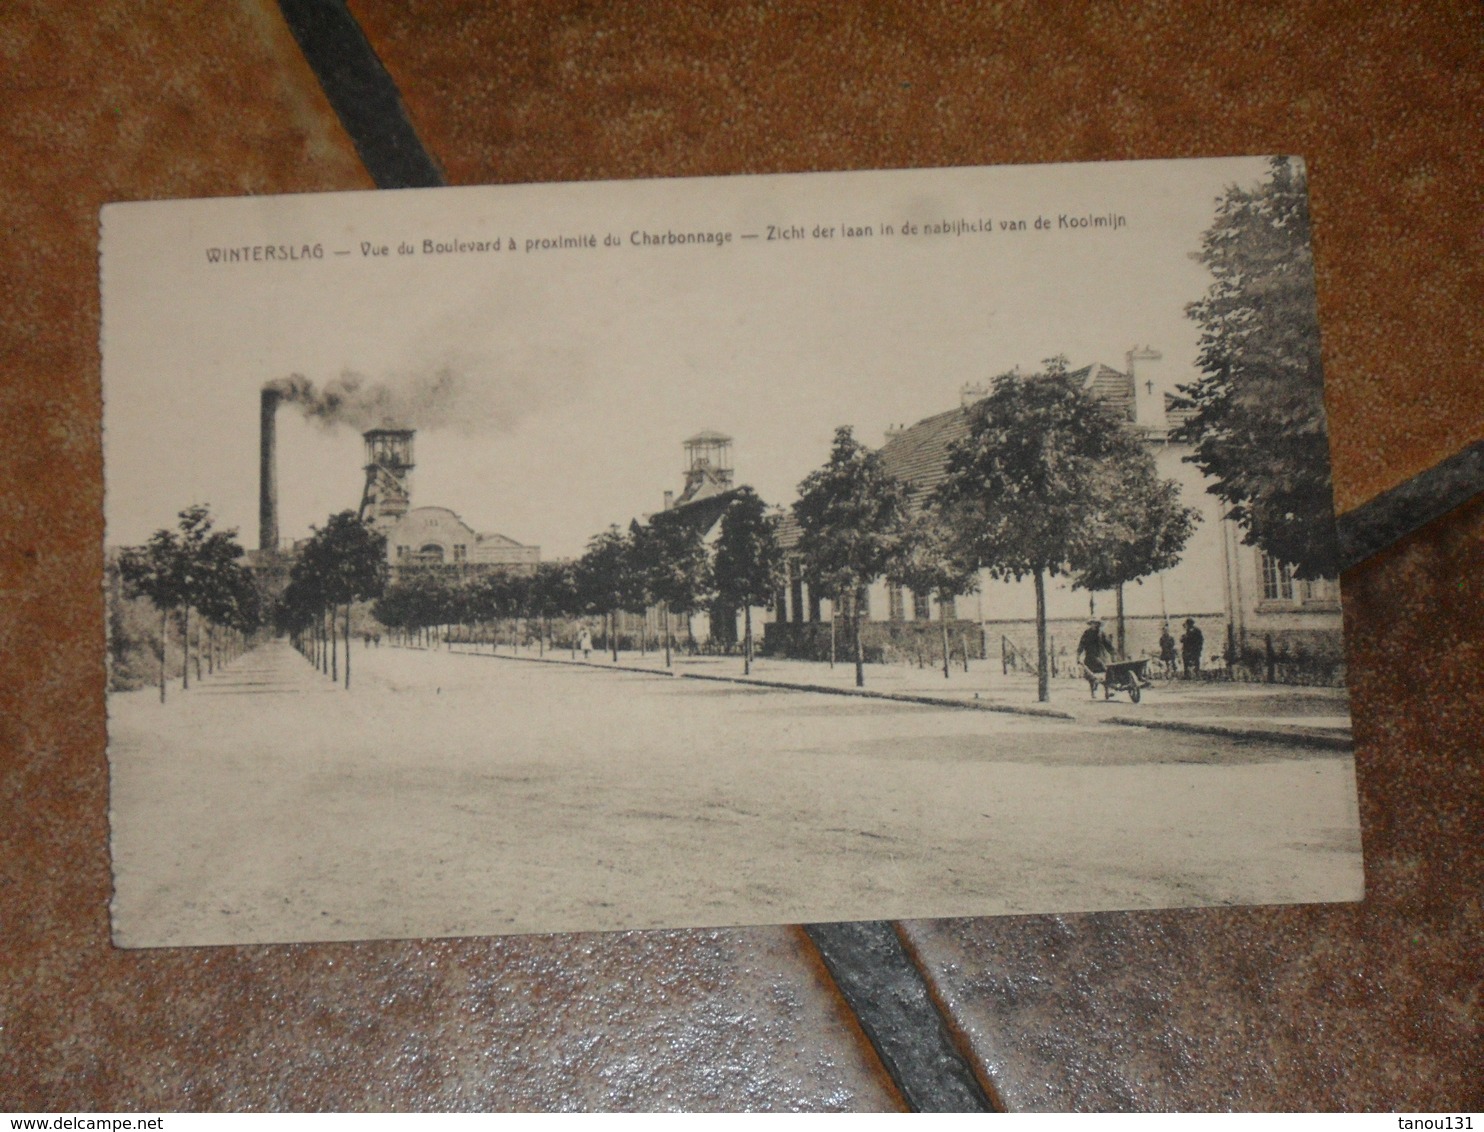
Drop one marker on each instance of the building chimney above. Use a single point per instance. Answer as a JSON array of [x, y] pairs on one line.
[[268, 471], [970, 392], [1149, 391], [669, 500]]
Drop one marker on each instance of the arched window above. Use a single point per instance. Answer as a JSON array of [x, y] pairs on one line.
[[431, 552]]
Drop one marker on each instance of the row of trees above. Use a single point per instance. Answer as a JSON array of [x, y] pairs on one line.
[[429, 599], [662, 564], [343, 562], [1046, 483], [194, 567]]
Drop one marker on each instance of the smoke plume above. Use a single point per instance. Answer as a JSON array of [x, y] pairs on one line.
[[434, 400], [442, 397]]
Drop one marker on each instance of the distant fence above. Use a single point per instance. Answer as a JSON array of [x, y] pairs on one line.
[[882, 642], [1282, 657]]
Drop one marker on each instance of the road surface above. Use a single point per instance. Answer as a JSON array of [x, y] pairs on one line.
[[450, 794]]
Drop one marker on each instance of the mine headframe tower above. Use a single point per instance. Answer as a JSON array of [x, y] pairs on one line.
[[389, 465]]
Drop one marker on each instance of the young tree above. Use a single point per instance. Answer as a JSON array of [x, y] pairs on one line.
[[194, 566], [641, 556], [294, 613], [931, 560], [487, 601], [549, 594], [602, 576], [672, 553], [393, 610], [517, 589], [343, 562], [1024, 487], [200, 548], [852, 513], [748, 569], [230, 601], [1138, 529], [1259, 428], [153, 571]]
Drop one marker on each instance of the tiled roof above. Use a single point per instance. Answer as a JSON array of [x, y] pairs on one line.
[[918, 455], [1114, 389], [703, 483], [704, 510], [1178, 409]]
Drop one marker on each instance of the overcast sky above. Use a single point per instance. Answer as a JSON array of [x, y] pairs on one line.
[[572, 375]]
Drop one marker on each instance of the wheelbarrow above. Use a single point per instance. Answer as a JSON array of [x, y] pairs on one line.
[[1131, 676]]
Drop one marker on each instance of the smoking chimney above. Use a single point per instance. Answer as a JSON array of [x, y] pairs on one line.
[[268, 471]]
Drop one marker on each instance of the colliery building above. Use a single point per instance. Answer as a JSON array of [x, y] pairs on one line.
[[1236, 594], [416, 537], [427, 536], [709, 488]]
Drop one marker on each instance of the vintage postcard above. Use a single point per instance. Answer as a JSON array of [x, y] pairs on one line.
[[720, 551]]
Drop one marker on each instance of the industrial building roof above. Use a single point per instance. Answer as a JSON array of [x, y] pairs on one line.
[[918, 454]]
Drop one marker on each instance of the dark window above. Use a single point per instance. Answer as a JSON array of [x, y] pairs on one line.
[[922, 608], [895, 609]]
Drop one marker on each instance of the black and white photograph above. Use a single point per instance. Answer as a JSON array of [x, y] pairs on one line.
[[720, 551]]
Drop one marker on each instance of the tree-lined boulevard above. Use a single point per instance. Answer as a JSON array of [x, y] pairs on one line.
[[1050, 481], [449, 789], [450, 793]]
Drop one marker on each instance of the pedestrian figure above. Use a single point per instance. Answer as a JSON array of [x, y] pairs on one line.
[[585, 642], [1093, 651], [1167, 650], [1192, 641], [376, 639]]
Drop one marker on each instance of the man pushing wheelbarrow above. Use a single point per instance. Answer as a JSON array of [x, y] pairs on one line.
[[1095, 653]]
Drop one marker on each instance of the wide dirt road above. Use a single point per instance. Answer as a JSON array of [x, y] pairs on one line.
[[457, 794]]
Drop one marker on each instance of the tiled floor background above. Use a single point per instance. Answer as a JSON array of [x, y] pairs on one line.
[[1369, 1006]]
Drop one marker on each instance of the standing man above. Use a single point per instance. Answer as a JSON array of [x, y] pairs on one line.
[[1192, 641], [1093, 651], [1167, 651]]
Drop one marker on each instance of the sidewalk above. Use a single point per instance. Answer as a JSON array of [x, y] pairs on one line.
[[1273, 713], [273, 667]]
